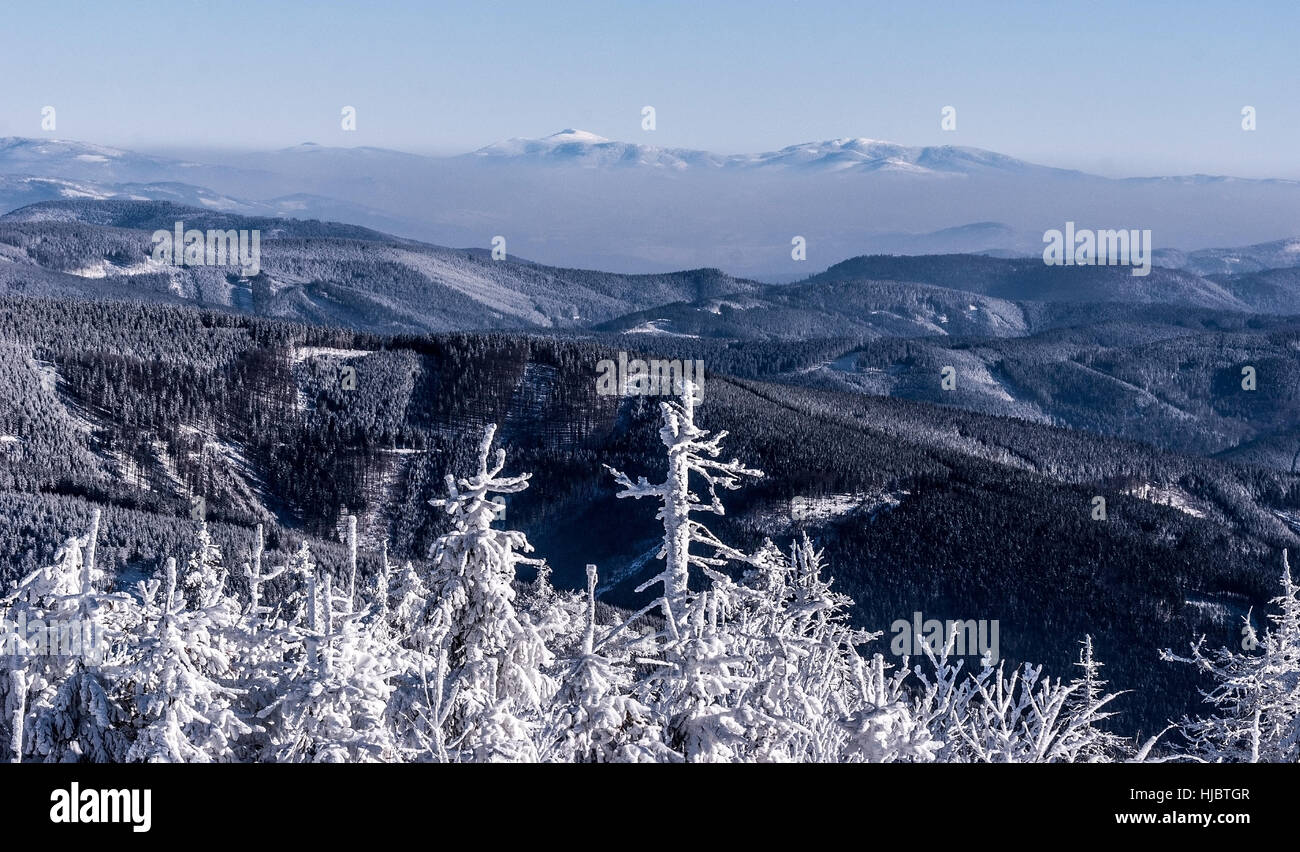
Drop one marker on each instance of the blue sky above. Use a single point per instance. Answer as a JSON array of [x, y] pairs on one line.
[[1115, 87]]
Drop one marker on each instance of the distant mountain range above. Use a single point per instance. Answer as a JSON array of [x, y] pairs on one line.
[[568, 147], [580, 148], [576, 199]]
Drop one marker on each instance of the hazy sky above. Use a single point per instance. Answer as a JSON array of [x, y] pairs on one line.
[[1115, 87]]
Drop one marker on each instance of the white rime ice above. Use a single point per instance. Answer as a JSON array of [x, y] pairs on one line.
[[739, 657], [690, 451], [1256, 693], [72, 713], [335, 707], [182, 713], [495, 685], [594, 717]]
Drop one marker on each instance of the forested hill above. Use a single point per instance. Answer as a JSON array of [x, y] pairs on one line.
[[317, 272], [142, 408], [1030, 279], [328, 273]]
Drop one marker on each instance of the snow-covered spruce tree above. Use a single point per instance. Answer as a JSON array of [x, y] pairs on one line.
[[1256, 695], [793, 656], [205, 592], [72, 713], [594, 718], [21, 663], [348, 535], [883, 726], [392, 630], [495, 687], [560, 618], [690, 451], [256, 614], [14, 707], [416, 710], [702, 686], [698, 680], [1021, 717], [773, 673], [335, 705], [766, 670], [365, 661], [1090, 696], [408, 597], [383, 580], [830, 704], [15, 678], [276, 646], [265, 642], [180, 713], [205, 579]]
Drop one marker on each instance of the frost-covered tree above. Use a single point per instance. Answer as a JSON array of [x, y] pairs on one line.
[[993, 716], [882, 725], [560, 618], [1255, 699], [383, 580], [205, 579], [206, 592], [690, 451], [1026, 718], [265, 642], [180, 712], [766, 669], [408, 597], [335, 706], [699, 674], [256, 614], [15, 679], [702, 680], [826, 701], [348, 535], [495, 685], [594, 717], [1087, 703], [417, 712], [72, 712]]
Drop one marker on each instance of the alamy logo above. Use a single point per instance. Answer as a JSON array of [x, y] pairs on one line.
[[214, 248], [55, 638], [961, 638], [655, 377], [113, 806], [1084, 247]]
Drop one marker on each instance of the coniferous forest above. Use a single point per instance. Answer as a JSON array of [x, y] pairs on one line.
[[287, 542]]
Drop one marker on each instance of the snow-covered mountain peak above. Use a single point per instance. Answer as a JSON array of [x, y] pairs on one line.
[[571, 135]]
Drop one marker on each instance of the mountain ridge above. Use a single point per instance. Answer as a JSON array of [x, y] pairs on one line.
[[582, 147]]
